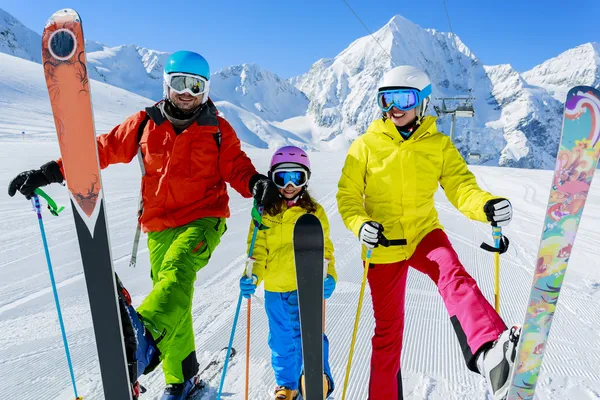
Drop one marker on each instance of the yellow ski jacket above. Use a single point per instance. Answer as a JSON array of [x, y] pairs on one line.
[[274, 249], [392, 181]]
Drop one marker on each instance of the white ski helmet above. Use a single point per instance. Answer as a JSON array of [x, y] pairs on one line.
[[407, 76]]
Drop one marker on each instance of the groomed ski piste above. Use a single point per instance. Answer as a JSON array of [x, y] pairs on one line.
[[32, 358]]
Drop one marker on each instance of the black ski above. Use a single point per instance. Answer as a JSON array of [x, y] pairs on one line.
[[65, 69], [309, 253]]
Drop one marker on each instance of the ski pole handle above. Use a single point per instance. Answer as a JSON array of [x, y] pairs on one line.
[[385, 242], [54, 209]]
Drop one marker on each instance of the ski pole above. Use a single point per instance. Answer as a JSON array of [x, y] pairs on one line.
[[325, 267], [356, 319], [500, 246], [385, 242], [257, 226], [248, 275], [35, 200], [497, 236]]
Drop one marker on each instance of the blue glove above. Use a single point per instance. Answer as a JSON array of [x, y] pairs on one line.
[[248, 285], [328, 286]]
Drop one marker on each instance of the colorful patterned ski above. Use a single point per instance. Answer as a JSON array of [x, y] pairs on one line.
[[575, 166], [65, 68]]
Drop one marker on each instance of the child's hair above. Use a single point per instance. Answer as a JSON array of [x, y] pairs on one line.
[[304, 201]]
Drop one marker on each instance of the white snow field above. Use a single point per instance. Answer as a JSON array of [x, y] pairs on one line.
[[32, 358]]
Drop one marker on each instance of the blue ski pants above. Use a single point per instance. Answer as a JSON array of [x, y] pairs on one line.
[[284, 339]]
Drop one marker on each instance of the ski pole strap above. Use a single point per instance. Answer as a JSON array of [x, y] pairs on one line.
[[54, 209], [385, 242], [502, 246], [257, 216]]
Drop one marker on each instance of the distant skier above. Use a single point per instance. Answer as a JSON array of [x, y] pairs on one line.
[[189, 154], [388, 181], [273, 262]]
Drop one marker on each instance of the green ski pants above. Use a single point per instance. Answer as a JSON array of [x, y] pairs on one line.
[[176, 255]]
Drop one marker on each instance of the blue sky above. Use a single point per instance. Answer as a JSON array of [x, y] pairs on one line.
[[286, 36]]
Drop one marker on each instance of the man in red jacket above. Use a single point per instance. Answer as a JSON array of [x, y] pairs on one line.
[[189, 154]]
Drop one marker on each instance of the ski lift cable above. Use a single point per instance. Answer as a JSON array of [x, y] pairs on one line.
[[369, 31], [448, 16]]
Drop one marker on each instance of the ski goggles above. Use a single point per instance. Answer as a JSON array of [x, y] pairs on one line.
[[402, 99], [186, 83], [297, 177]]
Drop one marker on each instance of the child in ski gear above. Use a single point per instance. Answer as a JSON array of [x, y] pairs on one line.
[[273, 262], [388, 183], [189, 154]]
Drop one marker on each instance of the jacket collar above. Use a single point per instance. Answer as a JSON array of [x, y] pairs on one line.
[[386, 127]]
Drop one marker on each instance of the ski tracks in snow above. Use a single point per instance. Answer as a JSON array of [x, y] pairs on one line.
[[432, 363]]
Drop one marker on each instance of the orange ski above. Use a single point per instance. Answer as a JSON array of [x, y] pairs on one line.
[[64, 60]]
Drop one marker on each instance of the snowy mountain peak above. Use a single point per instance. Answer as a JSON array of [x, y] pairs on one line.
[[574, 67], [341, 90], [130, 67], [18, 40], [91, 45], [251, 74], [399, 25], [259, 91]]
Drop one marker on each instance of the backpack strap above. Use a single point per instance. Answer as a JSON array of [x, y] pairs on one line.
[[218, 137], [142, 127], [140, 156]]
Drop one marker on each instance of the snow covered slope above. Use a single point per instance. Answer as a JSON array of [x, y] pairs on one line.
[[517, 116], [433, 368], [25, 107]]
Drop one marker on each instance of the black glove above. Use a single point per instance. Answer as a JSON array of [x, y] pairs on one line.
[[265, 192], [369, 234], [498, 211], [26, 182]]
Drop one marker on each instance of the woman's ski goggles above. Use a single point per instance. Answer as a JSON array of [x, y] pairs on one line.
[[186, 83], [402, 99], [298, 177]]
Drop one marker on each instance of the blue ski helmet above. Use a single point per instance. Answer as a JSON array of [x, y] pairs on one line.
[[188, 62]]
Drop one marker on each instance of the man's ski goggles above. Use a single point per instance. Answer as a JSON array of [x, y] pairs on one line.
[[186, 83], [298, 177], [402, 99]]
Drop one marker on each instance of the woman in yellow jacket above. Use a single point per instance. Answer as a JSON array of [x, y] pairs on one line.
[[273, 262], [388, 182]]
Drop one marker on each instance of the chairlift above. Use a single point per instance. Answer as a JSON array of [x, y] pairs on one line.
[[465, 110]]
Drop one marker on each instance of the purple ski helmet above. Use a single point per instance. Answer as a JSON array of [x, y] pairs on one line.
[[290, 154]]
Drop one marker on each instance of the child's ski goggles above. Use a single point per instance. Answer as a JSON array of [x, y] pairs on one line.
[[186, 83], [298, 177], [402, 99]]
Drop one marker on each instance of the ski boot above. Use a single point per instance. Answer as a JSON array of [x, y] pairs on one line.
[[140, 347], [327, 388], [285, 393], [180, 391], [497, 364]]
